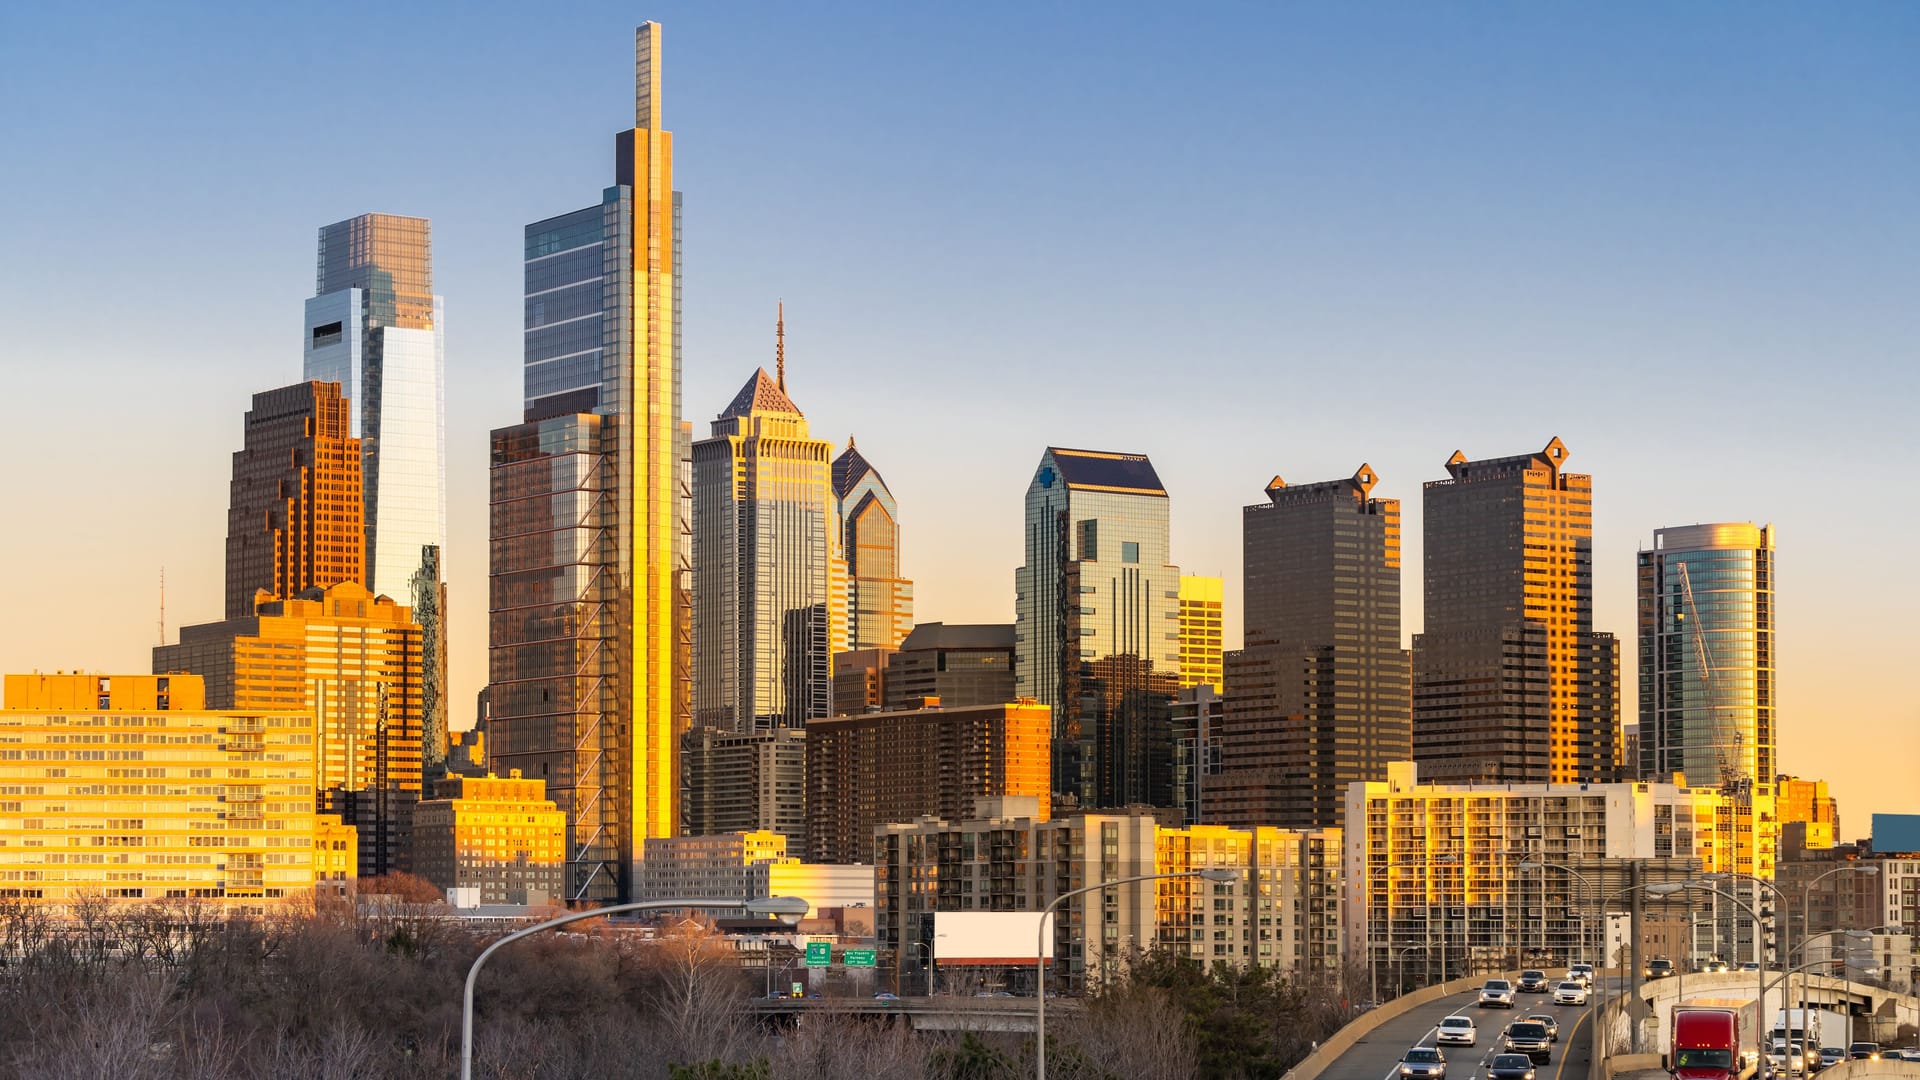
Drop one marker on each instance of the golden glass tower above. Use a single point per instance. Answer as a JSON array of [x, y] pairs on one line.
[[589, 526], [1202, 600]]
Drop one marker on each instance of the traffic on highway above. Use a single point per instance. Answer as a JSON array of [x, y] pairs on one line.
[[1501, 1030]]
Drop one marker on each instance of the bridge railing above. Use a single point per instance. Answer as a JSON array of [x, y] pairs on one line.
[[1361, 1026]]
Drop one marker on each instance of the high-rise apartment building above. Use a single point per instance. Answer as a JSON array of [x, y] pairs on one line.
[[746, 781], [588, 529], [1706, 655], [1807, 802], [189, 802], [374, 326], [1444, 885], [1511, 682], [1098, 588], [352, 661], [769, 587], [1320, 696], [868, 770], [959, 663], [1202, 606], [294, 509], [879, 599], [500, 835]]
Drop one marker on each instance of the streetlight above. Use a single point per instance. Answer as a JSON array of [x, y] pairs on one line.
[[1218, 875], [1401, 989], [926, 952], [1668, 888], [1536, 864], [771, 905], [1805, 968]]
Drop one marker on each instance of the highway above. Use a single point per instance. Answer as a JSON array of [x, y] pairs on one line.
[[1377, 1056]]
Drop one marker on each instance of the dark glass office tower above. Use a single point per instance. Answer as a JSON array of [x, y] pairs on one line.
[[589, 525], [1320, 696], [1510, 680]]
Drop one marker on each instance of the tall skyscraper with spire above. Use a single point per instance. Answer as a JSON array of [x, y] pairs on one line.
[[1510, 680], [769, 587], [588, 522], [879, 599]]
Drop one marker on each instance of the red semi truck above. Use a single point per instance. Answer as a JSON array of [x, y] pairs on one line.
[[1706, 1041]]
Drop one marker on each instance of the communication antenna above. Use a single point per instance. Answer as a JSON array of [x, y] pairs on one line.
[[163, 605]]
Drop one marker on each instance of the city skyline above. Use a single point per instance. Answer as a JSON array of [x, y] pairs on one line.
[[1618, 304]]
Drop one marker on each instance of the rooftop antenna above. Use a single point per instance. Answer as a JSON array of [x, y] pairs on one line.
[[780, 346], [163, 605]]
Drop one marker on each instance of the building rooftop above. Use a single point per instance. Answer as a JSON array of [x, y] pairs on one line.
[[760, 394], [850, 468], [1099, 470]]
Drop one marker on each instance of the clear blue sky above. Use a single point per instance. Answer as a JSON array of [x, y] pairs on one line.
[[1247, 240]]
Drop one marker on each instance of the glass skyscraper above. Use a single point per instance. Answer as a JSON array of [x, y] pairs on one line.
[[1097, 630], [769, 583], [589, 526], [1706, 655], [879, 600], [1510, 680]]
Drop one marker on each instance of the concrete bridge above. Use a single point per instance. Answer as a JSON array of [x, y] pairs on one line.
[[1877, 1013], [919, 1013]]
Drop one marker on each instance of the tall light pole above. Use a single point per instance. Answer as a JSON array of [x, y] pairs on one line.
[[1536, 864], [926, 952], [1806, 910], [1668, 888], [772, 905], [1217, 875]]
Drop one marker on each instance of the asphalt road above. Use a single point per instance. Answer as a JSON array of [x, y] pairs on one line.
[[1377, 1057]]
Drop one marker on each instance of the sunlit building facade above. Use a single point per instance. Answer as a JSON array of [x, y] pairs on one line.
[[353, 662], [1202, 639], [129, 787], [879, 597], [1511, 682], [959, 663], [294, 509], [1098, 587], [1707, 655], [867, 770], [769, 586], [498, 834], [1320, 696], [589, 533]]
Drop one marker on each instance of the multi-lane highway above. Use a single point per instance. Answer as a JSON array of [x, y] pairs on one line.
[[1377, 1056]]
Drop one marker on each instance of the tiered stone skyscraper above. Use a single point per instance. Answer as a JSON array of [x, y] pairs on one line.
[[1511, 683], [588, 523]]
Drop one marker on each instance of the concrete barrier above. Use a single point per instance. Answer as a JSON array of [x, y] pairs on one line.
[[1361, 1026], [1871, 1070]]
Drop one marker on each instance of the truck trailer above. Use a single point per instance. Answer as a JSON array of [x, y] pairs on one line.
[[1710, 1040]]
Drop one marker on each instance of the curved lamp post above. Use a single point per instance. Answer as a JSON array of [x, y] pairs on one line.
[[1536, 864], [1668, 888], [772, 905], [1217, 875]]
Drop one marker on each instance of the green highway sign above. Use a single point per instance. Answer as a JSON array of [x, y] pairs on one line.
[[858, 958], [819, 953]]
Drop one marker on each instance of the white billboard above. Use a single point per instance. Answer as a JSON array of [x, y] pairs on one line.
[[990, 937]]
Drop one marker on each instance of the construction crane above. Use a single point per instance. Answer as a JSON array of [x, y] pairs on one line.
[[1731, 777]]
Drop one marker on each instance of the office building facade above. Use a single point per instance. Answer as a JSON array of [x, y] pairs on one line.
[[959, 663], [374, 326], [879, 597], [1511, 682], [294, 509], [223, 813], [865, 771], [769, 587], [353, 662], [1707, 655], [500, 835], [860, 680], [1320, 696], [589, 534], [1202, 640], [1098, 587]]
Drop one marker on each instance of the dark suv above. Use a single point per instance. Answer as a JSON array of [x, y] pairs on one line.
[[1530, 1039], [1533, 982], [1659, 969]]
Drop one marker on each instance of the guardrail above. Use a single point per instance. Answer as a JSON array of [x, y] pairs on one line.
[[1361, 1026]]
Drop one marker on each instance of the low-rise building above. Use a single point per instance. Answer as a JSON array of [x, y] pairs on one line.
[[499, 835], [1284, 910], [746, 866], [128, 786]]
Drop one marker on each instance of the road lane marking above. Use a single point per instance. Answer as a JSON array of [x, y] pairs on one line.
[[1574, 1034]]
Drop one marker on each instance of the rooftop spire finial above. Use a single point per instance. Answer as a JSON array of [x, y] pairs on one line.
[[780, 346]]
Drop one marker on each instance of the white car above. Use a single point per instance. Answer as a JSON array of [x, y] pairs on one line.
[[1456, 1031], [1581, 973], [1570, 993], [1496, 993], [1782, 1057]]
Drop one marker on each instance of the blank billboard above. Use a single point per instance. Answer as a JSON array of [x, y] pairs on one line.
[[990, 937]]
